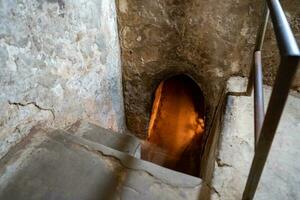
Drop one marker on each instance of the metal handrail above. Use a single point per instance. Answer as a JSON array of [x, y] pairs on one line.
[[266, 125]]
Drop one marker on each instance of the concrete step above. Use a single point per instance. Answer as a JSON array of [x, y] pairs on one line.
[[280, 177], [57, 165], [123, 142]]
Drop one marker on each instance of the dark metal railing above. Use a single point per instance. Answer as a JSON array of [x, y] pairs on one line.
[[266, 124]]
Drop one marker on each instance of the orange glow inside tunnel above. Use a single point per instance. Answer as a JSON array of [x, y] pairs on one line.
[[176, 126]]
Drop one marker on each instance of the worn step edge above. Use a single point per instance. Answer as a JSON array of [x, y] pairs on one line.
[[165, 175], [123, 142]]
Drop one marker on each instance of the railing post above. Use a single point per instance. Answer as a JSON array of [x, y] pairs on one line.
[[290, 58], [278, 98], [260, 36], [259, 111]]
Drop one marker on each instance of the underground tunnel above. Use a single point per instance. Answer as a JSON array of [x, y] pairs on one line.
[[176, 126]]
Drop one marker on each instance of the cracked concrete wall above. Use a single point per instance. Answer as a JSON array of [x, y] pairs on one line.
[[210, 40], [59, 62]]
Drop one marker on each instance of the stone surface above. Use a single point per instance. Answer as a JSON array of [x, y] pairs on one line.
[[60, 62], [149, 39], [62, 166], [122, 142], [208, 40], [236, 149], [236, 84]]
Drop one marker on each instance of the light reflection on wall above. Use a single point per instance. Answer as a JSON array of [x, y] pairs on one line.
[[176, 125]]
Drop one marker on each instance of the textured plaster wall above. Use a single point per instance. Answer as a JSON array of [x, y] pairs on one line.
[[210, 40], [59, 62], [149, 36], [163, 38]]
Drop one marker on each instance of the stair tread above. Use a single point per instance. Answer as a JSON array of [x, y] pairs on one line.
[[57, 165], [120, 141]]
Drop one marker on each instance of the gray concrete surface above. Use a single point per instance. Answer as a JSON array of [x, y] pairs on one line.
[[59, 62], [119, 141], [280, 178], [62, 166]]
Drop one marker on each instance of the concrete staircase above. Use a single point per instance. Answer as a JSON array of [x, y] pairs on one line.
[[87, 162]]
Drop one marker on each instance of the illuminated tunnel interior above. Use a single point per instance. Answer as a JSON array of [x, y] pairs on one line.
[[176, 126]]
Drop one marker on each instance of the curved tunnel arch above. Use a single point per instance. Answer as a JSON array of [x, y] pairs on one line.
[[176, 125]]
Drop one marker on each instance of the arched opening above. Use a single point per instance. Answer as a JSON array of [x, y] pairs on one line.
[[176, 126]]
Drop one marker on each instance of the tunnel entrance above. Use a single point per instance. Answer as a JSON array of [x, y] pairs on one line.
[[176, 126]]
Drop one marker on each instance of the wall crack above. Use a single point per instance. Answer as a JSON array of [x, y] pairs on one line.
[[220, 163], [34, 104], [100, 153]]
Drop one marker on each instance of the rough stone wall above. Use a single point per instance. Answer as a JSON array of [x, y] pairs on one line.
[[163, 38], [59, 62], [149, 36], [210, 40]]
